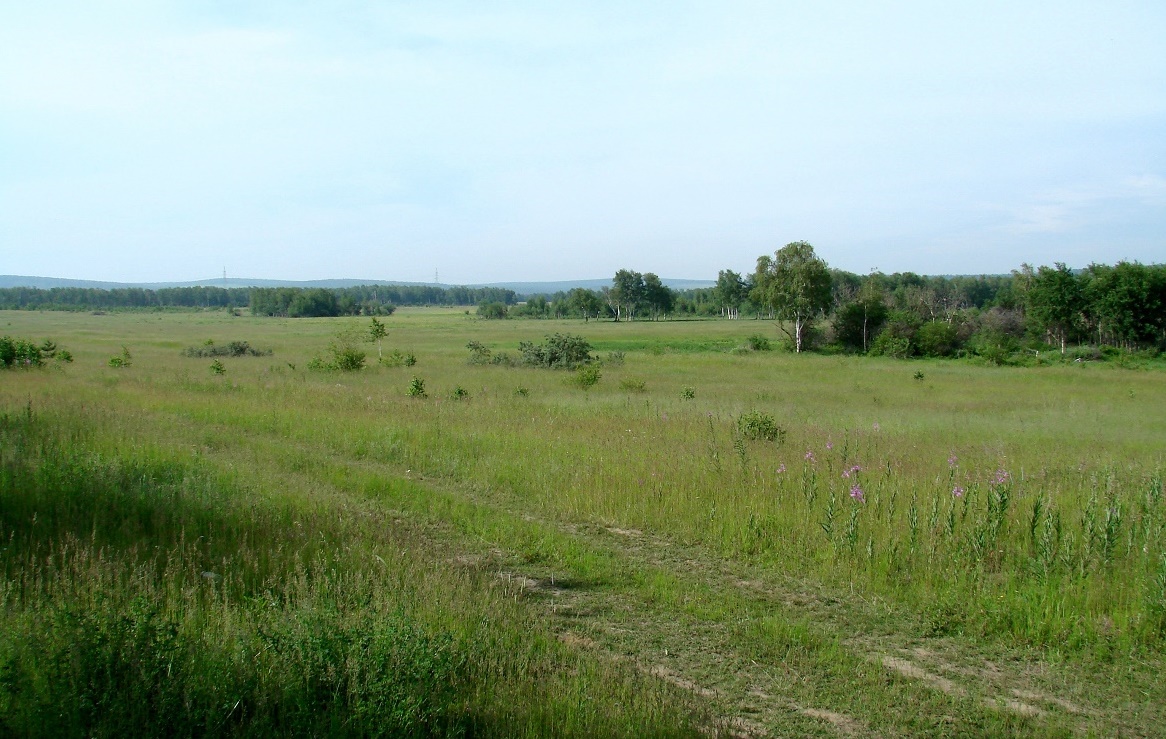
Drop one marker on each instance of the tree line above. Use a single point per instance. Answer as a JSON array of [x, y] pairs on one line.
[[901, 314], [278, 301]]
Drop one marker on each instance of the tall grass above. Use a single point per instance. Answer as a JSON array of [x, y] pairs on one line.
[[148, 595], [1044, 529]]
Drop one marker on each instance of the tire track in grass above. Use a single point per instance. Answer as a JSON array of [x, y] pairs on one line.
[[833, 681]]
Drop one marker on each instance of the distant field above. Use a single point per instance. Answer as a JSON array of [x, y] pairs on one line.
[[710, 539]]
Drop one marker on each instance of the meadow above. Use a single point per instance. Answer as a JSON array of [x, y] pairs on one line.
[[710, 539]]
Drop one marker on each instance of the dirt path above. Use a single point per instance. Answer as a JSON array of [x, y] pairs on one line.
[[783, 697], [773, 655]]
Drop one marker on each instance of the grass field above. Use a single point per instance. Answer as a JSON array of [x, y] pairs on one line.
[[922, 548]]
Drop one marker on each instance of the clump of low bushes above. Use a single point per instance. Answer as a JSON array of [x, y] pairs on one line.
[[25, 353], [230, 349]]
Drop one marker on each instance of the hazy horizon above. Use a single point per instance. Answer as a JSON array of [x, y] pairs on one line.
[[527, 143]]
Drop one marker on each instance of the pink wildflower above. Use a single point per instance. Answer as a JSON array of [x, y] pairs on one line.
[[810, 456], [781, 468], [952, 460], [857, 494], [829, 445], [957, 492]]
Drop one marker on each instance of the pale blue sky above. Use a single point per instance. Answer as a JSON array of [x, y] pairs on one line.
[[150, 141]]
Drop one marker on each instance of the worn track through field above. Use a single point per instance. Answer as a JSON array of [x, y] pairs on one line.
[[948, 679]]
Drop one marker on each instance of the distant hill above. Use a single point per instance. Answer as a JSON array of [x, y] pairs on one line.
[[522, 288]]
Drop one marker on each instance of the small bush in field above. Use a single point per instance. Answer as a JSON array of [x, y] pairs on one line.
[[558, 351], [24, 353], [230, 349], [459, 393], [632, 385], [759, 343], [760, 426], [398, 359], [416, 388], [688, 393], [217, 368], [586, 377], [121, 360]]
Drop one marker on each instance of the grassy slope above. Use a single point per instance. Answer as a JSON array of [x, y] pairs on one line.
[[720, 578]]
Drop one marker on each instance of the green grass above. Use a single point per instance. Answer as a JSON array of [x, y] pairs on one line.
[[351, 503]]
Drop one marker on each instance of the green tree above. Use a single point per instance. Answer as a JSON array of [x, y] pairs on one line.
[[1055, 302], [627, 293], [658, 296], [857, 323], [730, 292], [796, 284], [587, 302]]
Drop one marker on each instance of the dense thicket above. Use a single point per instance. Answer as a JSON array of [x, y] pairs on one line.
[[279, 301]]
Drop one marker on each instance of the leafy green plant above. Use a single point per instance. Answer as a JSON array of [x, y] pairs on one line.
[[760, 426], [416, 388], [342, 356], [759, 343], [459, 393], [230, 349], [633, 385], [121, 360], [586, 377], [21, 353], [398, 359], [217, 368], [479, 353], [688, 393], [557, 351]]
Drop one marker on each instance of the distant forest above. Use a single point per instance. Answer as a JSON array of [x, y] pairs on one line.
[[275, 301], [901, 314]]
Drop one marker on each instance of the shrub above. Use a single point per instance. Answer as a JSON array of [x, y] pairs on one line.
[[217, 368], [231, 349], [398, 359], [416, 388], [495, 310], [22, 353], [688, 393], [614, 359], [586, 377], [479, 353], [887, 344], [348, 359], [521, 392], [557, 351], [121, 360], [344, 357], [936, 339], [760, 426], [759, 343], [458, 393], [632, 385]]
